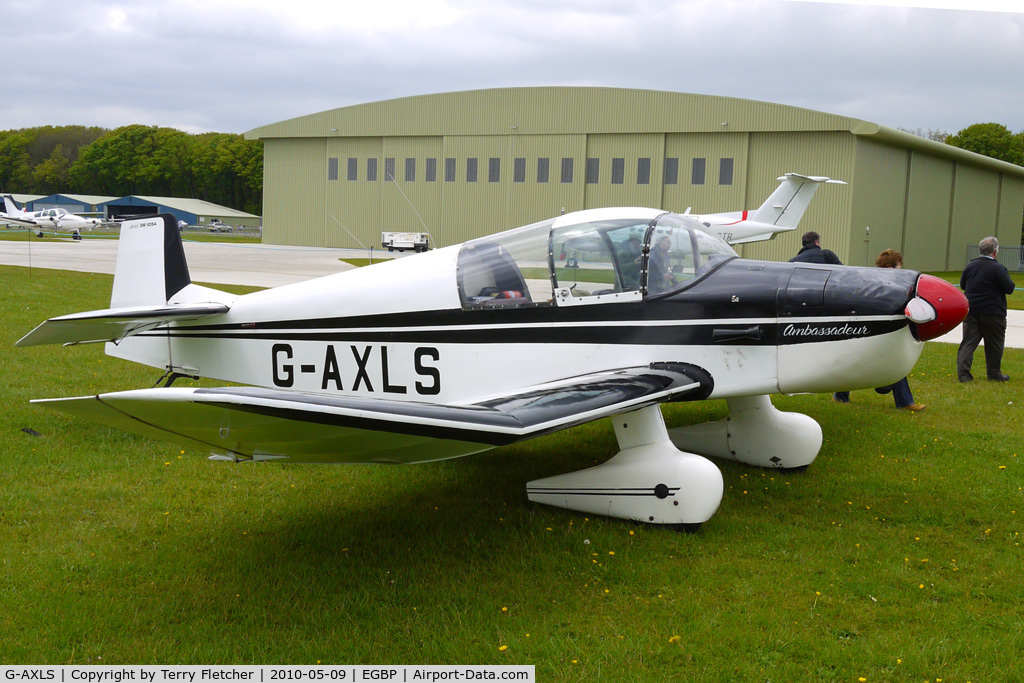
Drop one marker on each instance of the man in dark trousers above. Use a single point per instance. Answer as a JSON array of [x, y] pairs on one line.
[[986, 283], [811, 252]]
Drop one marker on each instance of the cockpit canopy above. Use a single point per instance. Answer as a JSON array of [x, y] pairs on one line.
[[596, 256]]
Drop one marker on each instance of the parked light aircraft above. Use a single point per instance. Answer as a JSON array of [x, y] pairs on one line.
[[507, 337], [781, 212], [51, 219]]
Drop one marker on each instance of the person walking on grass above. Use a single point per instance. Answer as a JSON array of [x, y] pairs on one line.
[[901, 393], [985, 282]]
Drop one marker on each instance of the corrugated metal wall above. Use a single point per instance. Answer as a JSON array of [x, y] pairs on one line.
[[926, 223], [629, 156], [912, 197], [827, 154], [709, 195], [879, 191], [294, 185], [975, 210], [1011, 210]]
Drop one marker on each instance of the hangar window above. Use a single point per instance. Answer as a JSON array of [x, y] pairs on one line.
[[353, 168], [543, 169], [618, 171], [519, 170], [332, 168], [410, 170], [493, 170], [698, 171], [430, 172], [508, 270], [725, 172], [671, 171], [449, 170], [371, 170], [471, 170], [567, 169], [593, 170], [389, 169], [643, 171]]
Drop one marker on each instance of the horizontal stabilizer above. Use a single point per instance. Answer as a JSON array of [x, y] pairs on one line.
[[250, 423], [114, 324], [20, 222]]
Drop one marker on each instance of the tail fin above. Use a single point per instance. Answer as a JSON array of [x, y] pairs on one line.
[[152, 287], [10, 206], [786, 206], [151, 266]]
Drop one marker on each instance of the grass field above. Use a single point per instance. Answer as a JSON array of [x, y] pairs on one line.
[[895, 557]]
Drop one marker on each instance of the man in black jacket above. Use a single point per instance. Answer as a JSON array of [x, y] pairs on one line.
[[811, 252], [986, 283]]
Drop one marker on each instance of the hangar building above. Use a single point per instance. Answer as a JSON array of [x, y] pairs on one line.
[[81, 204], [467, 164], [192, 211]]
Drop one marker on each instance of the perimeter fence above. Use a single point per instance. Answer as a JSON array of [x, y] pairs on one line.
[[1011, 257]]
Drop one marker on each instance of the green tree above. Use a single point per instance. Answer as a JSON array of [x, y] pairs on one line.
[[991, 139], [53, 174]]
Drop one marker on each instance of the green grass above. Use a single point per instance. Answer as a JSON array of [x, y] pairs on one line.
[[895, 557]]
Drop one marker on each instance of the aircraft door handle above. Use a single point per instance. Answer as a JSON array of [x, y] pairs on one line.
[[722, 335]]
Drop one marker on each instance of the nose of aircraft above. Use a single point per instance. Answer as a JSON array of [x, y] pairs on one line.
[[937, 309]]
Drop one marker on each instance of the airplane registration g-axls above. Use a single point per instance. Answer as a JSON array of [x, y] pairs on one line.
[[600, 313]]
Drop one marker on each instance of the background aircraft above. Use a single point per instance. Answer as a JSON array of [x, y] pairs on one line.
[[468, 347], [781, 212], [50, 219]]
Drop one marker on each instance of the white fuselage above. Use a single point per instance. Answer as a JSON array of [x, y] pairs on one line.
[[397, 330]]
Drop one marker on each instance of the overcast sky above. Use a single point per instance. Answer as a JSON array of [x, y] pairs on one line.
[[233, 65]]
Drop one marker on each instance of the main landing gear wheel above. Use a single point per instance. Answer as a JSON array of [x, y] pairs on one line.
[[649, 480]]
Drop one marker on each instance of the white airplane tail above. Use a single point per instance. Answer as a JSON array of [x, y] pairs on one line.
[[10, 207], [786, 206], [152, 288]]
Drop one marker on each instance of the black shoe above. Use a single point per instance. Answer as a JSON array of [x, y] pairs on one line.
[[999, 378], [965, 380]]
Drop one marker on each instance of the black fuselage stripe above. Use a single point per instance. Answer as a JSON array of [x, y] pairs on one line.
[[700, 334]]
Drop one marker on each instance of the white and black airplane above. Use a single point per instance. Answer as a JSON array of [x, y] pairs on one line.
[[599, 313], [50, 219], [781, 212]]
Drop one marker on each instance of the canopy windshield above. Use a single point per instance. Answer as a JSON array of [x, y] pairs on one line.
[[611, 258]]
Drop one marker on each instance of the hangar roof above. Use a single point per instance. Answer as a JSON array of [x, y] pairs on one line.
[[568, 110], [196, 206], [88, 199]]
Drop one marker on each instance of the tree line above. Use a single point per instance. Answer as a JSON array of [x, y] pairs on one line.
[[223, 168]]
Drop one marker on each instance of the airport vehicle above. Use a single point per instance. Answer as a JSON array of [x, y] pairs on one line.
[[216, 225], [400, 241], [49, 219], [508, 337]]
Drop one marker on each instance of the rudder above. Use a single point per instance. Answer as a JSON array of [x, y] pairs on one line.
[[151, 266]]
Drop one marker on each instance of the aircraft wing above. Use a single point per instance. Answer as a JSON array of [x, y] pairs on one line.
[[113, 324], [250, 423]]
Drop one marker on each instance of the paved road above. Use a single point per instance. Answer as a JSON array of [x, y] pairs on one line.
[[265, 265], [261, 265]]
